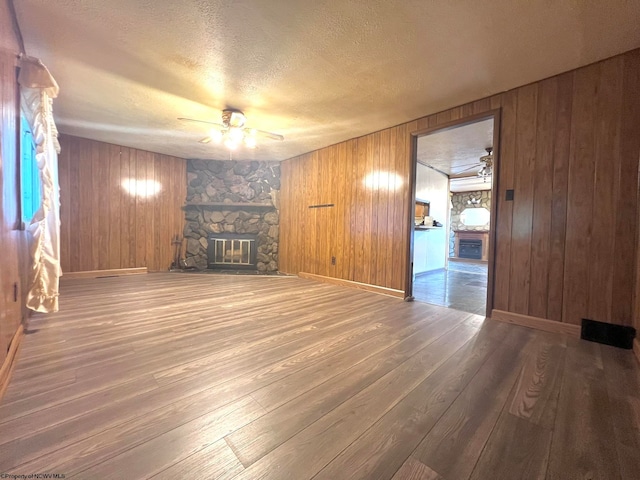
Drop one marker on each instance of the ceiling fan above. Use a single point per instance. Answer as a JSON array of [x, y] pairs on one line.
[[486, 164], [487, 169], [232, 131]]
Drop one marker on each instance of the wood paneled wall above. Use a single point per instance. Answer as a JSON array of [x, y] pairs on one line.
[[365, 230], [14, 266], [106, 227], [566, 245]]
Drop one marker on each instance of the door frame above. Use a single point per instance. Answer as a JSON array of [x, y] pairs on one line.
[[495, 114]]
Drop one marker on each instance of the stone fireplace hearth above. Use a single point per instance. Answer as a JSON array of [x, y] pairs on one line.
[[227, 198]]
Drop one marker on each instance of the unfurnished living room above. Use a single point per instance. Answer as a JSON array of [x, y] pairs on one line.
[[231, 233]]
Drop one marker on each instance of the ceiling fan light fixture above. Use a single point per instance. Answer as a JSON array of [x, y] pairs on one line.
[[236, 134], [236, 119], [487, 169], [250, 142], [230, 143], [232, 132], [216, 135]]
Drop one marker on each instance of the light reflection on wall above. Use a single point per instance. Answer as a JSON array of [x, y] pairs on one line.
[[382, 180], [141, 188]]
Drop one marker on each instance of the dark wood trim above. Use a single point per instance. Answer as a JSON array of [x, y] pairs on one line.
[[106, 273], [495, 114], [408, 282], [16, 26], [19, 224], [349, 283], [10, 360], [495, 183], [460, 122], [536, 323]]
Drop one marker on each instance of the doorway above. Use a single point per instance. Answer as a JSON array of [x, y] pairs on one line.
[[452, 236]]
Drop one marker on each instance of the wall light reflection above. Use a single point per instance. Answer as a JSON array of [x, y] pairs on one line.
[[382, 180], [141, 188]]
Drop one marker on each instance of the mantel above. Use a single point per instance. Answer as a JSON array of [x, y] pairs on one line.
[[230, 206]]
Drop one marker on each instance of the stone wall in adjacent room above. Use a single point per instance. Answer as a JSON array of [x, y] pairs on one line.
[[459, 201], [256, 184]]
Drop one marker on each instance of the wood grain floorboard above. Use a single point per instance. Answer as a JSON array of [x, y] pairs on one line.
[[524, 456], [311, 449], [383, 448], [583, 444], [412, 469], [527, 418], [456, 441], [51, 397], [170, 375], [228, 378], [406, 341], [165, 450], [215, 462], [623, 386], [260, 437], [536, 394]]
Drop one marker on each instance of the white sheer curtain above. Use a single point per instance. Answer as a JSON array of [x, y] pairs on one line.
[[37, 91]]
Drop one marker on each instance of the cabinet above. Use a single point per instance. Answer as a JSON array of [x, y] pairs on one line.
[[422, 209]]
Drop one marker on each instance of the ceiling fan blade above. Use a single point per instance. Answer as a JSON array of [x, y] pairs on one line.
[[201, 121], [475, 166], [273, 136], [205, 140], [469, 165]]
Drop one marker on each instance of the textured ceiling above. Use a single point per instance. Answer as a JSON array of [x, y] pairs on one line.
[[318, 72], [456, 151]]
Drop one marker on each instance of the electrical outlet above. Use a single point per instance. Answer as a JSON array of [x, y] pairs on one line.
[[333, 260]]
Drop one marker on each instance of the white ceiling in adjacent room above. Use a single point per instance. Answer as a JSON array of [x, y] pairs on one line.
[[317, 72], [456, 152]]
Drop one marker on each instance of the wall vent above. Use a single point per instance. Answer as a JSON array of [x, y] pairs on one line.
[[607, 333]]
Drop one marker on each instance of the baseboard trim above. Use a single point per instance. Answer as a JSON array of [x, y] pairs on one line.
[[350, 283], [10, 360], [115, 272], [636, 349], [536, 323], [426, 272]]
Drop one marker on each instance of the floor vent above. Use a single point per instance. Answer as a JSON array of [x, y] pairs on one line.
[[615, 335]]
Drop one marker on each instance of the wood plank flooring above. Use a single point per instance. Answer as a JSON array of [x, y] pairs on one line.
[[170, 376]]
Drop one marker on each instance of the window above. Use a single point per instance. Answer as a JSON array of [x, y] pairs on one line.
[[31, 187]]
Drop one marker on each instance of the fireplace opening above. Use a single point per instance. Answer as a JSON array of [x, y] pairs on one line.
[[232, 251], [470, 248]]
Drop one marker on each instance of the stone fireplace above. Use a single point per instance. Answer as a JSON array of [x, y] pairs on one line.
[[461, 201], [232, 215]]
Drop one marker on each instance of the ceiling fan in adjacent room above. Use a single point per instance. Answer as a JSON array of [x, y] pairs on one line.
[[485, 163], [232, 131], [487, 169]]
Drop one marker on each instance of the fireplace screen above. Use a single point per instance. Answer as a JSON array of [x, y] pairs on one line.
[[234, 251], [469, 248]]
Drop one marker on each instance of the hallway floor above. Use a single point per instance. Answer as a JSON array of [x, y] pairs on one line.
[[463, 286]]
